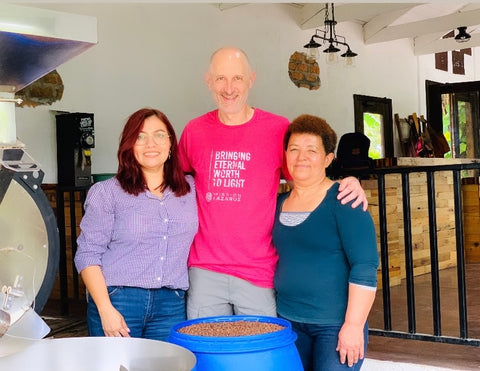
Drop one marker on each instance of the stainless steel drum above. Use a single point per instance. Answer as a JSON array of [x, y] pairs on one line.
[[100, 354], [29, 243]]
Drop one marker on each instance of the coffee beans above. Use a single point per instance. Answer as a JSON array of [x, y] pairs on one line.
[[230, 328]]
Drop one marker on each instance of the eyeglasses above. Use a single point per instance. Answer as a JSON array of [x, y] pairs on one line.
[[158, 137]]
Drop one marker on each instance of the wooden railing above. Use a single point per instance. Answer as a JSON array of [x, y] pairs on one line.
[[69, 205]]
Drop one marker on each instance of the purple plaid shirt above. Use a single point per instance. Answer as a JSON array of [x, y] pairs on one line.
[[140, 241]]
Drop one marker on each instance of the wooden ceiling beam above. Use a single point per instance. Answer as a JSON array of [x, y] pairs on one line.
[[424, 45], [428, 26]]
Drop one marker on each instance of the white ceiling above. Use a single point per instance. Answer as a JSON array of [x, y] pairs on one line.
[[424, 23]]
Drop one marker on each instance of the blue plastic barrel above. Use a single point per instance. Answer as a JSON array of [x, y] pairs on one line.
[[274, 351]]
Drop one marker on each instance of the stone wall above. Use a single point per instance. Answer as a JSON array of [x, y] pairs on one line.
[[419, 220], [44, 91], [304, 72]]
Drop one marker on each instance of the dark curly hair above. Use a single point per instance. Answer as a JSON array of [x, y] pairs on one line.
[[309, 124]]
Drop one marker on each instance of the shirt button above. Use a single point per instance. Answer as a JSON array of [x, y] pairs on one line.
[[164, 237], [165, 220], [159, 279], [162, 258]]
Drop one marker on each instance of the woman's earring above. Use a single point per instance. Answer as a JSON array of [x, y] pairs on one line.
[[169, 154]]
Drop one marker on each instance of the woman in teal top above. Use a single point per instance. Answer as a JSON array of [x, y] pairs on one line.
[[327, 270]]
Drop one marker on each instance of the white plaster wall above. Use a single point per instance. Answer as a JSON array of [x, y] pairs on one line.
[[156, 54]]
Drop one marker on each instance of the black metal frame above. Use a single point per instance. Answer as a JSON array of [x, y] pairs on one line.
[[412, 333]]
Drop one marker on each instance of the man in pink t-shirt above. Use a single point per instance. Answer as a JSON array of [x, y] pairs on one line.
[[235, 154]]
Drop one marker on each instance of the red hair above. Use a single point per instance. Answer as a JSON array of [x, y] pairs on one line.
[[129, 172]]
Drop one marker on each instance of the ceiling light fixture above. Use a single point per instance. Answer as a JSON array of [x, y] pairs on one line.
[[462, 35], [329, 35]]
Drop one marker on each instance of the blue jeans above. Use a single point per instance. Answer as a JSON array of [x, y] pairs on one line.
[[149, 313], [316, 345]]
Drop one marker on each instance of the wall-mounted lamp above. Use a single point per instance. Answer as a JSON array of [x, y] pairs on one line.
[[329, 35], [462, 35]]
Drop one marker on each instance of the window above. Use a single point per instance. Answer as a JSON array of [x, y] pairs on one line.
[[458, 125], [453, 109], [373, 117], [373, 129]]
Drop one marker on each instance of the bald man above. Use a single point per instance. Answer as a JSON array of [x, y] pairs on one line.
[[235, 154]]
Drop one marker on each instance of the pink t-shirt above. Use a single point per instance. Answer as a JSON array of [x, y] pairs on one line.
[[237, 172]]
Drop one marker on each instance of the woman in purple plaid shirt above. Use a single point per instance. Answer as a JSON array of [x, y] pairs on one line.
[[136, 235]]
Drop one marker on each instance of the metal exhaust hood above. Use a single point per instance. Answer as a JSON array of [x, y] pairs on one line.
[[33, 42]]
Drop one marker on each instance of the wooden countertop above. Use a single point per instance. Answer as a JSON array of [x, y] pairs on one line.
[[431, 161]]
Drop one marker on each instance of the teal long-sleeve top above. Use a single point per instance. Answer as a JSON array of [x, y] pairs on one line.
[[335, 245]]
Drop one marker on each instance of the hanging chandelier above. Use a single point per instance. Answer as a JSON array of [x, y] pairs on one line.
[[328, 35]]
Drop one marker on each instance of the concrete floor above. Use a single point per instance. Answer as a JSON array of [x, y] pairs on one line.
[[457, 357], [377, 365]]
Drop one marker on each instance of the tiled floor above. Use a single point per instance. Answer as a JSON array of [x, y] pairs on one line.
[[457, 357]]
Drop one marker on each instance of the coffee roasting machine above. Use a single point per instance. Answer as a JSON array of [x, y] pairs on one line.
[[33, 42]]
